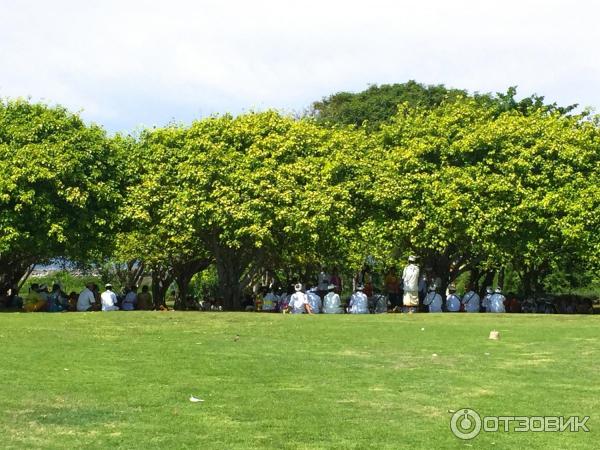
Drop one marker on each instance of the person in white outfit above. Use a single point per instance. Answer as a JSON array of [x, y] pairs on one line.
[[299, 301], [410, 278], [497, 301], [433, 300], [108, 299], [359, 303], [453, 300], [332, 303], [471, 300]]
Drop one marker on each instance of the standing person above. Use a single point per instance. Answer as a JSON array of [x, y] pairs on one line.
[[332, 303], [299, 301], [130, 300], [471, 300], [314, 300], [392, 288], [497, 301], [453, 300], [144, 299], [359, 303], [485, 303], [86, 300], [109, 299], [433, 300], [410, 278]]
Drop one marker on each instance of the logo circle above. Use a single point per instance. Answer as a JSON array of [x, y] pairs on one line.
[[465, 424]]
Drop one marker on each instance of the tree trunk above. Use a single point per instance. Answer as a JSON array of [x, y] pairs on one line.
[[501, 277], [229, 271], [183, 273], [161, 280]]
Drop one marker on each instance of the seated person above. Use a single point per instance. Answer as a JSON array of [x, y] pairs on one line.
[[57, 300], [86, 300], [452, 301], [109, 299], [433, 300], [144, 299], [379, 302], [130, 300], [359, 303], [471, 300], [269, 301], [299, 302], [497, 301], [332, 303], [72, 301], [314, 300]]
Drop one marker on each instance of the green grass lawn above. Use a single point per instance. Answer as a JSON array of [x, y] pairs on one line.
[[123, 380]]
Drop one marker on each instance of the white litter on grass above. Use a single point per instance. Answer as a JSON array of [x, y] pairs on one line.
[[486, 354], [434, 354], [65, 369], [195, 399], [422, 329]]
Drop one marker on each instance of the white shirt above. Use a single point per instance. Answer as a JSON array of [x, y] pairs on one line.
[[497, 303], [359, 303], [314, 301], [453, 303], [410, 277], [471, 301], [434, 301], [331, 304], [109, 301], [86, 300], [297, 302]]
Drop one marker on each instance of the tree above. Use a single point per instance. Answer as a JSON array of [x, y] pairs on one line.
[[250, 193], [470, 188], [59, 190], [377, 104]]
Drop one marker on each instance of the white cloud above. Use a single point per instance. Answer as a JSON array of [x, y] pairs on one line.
[[131, 62]]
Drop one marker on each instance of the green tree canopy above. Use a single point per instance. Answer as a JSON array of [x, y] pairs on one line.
[[59, 187]]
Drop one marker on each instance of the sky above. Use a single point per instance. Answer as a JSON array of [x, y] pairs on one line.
[[131, 64]]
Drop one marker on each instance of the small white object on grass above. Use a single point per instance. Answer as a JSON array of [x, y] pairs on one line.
[[434, 354], [195, 399], [422, 329], [494, 335], [486, 354]]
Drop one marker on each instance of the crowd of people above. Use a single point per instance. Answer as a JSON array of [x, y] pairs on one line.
[[40, 298], [411, 292]]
